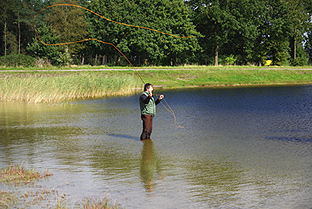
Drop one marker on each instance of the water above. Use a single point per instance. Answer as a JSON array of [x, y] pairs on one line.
[[239, 148]]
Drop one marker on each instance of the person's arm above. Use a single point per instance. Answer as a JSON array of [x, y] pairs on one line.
[[159, 99], [145, 98]]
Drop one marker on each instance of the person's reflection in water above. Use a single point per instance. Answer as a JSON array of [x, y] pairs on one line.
[[149, 165]]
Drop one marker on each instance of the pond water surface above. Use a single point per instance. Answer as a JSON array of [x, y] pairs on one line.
[[239, 148]]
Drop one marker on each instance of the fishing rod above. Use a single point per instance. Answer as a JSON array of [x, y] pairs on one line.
[[168, 108]]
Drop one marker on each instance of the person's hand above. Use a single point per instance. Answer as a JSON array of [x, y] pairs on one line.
[[161, 97]]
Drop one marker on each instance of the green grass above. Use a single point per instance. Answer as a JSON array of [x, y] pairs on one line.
[[225, 77], [57, 86]]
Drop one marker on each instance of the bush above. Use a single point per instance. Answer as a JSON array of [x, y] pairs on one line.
[[302, 57], [300, 61], [64, 58], [230, 60], [17, 60], [42, 62]]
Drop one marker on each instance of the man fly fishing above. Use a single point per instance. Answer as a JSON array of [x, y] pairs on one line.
[[148, 110]]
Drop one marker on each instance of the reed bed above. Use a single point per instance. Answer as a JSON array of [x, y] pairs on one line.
[[57, 87], [38, 86]]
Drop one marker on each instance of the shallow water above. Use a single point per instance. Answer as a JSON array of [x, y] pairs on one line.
[[239, 148]]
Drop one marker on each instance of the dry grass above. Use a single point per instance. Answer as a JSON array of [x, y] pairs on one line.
[[98, 204], [7, 199], [89, 203], [18, 174], [58, 87]]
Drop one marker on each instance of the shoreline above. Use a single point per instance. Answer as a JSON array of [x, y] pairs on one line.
[[68, 84], [236, 86]]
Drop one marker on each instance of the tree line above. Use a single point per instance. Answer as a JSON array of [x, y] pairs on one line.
[[241, 32]]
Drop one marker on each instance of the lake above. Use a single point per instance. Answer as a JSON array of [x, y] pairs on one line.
[[239, 148]]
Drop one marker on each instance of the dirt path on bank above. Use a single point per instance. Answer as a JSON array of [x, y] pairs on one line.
[[142, 69]]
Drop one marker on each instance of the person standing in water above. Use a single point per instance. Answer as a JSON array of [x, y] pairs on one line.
[[148, 110]]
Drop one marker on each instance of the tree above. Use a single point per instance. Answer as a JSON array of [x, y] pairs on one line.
[[308, 34], [17, 24], [308, 45], [209, 17], [244, 30], [279, 31], [11, 43], [163, 15], [69, 24], [5, 4], [229, 27], [298, 20], [24, 13], [37, 49]]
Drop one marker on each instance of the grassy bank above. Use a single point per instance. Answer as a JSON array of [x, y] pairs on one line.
[[219, 77], [61, 85]]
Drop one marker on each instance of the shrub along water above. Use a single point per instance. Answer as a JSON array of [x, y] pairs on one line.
[[56, 87], [17, 60]]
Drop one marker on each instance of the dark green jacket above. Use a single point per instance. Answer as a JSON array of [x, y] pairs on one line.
[[148, 104]]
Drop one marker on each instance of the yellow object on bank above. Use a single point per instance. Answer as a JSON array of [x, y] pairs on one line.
[[268, 62]]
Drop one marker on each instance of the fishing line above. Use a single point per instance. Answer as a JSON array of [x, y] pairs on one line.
[[135, 26], [168, 108]]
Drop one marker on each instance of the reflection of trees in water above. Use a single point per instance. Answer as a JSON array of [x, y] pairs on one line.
[[39, 128], [112, 160], [149, 166]]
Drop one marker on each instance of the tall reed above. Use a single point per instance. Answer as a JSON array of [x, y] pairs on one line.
[[55, 87]]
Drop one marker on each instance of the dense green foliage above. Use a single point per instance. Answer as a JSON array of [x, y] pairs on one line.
[[170, 16], [37, 49], [225, 32], [14, 60], [253, 30]]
